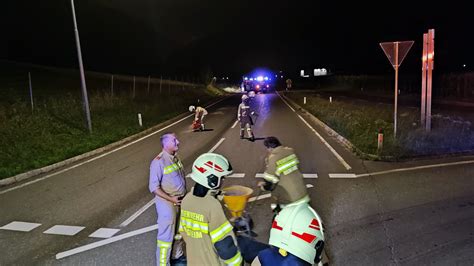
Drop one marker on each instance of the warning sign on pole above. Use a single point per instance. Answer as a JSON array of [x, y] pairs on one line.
[[396, 52]]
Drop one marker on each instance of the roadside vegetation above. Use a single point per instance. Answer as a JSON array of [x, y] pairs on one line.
[[55, 129], [359, 121]]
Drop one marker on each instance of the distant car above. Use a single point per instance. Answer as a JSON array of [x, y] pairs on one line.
[[257, 86]]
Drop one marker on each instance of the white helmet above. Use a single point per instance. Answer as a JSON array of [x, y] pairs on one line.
[[298, 230], [244, 97], [209, 169], [192, 108]]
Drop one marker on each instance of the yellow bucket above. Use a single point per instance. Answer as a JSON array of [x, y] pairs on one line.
[[235, 199]]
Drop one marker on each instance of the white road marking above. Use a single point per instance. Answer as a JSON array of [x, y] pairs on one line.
[[65, 230], [416, 168], [20, 226], [104, 233], [268, 195], [217, 145], [137, 213], [102, 155], [342, 176], [339, 157], [236, 175], [105, 242], [286, 102], [236, 121], [260, 175]]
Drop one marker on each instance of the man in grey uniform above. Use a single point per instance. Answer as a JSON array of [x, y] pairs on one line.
[[167, 183]]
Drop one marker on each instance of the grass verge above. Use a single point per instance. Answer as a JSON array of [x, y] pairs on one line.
[[359, 122]]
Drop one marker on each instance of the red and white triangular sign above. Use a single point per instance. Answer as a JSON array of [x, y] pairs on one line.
[[389, 49]]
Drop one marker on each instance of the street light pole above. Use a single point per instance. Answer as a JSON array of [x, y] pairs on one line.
[[81, 70]]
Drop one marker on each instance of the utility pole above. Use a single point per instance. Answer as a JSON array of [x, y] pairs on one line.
[[85, 99]]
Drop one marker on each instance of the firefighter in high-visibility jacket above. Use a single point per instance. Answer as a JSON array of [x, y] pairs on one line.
[[167, 183], [282, 176], [244, 115], [296, 238], [208, 234], [199, 114]]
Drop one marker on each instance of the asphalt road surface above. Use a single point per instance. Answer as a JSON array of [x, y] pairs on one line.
[[99, 211]]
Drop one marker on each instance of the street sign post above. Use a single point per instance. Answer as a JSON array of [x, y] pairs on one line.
[[427, 66], [396, 52]]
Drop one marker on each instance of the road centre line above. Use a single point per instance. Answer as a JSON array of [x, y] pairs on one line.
[[415, 168], [102, 155], [217, 145], [342, 176], [104, 242], [339, 157], [235, 123]]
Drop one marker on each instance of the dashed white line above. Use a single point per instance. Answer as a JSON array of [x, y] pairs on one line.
[[65, 230], [104, 233], [217, 145], [102, 155], [20, 226], [105, 242], [416, 168], [268, 195], [234, 175], [137, 213], [260, 175], [236, 121], [237, 175], [342, 176]]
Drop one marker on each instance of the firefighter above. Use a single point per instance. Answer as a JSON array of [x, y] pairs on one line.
[[199, 114], [296, 238], [167, 183], [289, 83], [244, 115], [203, 225], [282, 175]]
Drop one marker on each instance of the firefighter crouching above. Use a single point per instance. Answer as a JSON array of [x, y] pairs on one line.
[[208, 234], [296, 238], [282, 176]]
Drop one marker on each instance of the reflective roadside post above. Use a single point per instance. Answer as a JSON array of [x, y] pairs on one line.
[[396, 52]]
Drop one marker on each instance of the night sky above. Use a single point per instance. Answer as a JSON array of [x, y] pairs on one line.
[[186, 37]]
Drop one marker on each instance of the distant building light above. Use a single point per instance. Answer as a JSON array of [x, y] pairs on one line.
[[281, 76], [276, 76], [464, 65]]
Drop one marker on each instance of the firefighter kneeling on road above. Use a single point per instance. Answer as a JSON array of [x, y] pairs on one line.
[[244, 115], [199, 114], [282, 175], [296, 238], [208, 234]]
